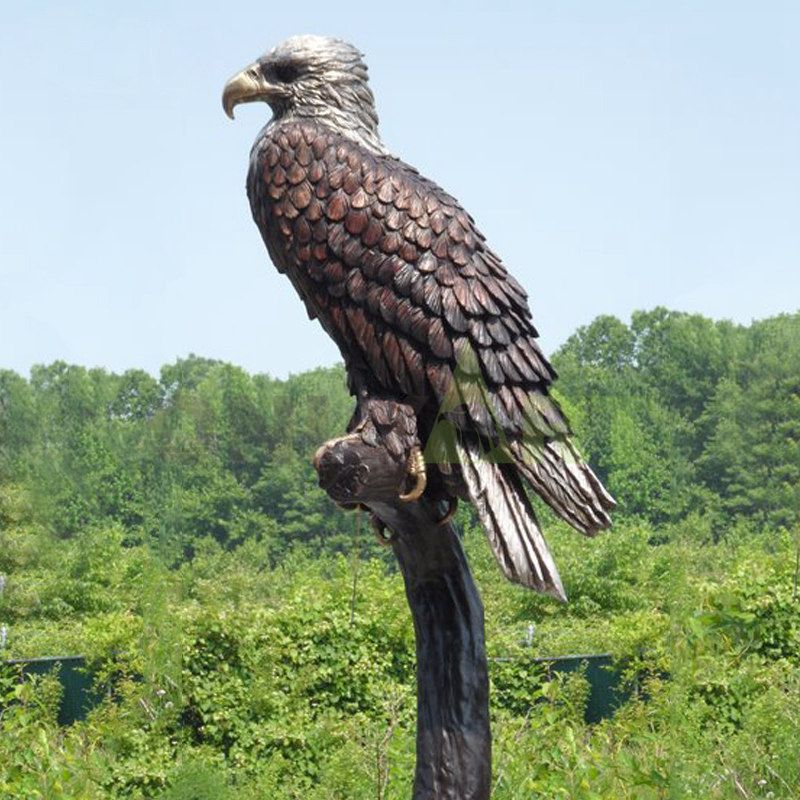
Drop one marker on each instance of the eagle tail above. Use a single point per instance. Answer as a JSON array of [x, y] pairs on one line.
[[558, 474], [498, 495]]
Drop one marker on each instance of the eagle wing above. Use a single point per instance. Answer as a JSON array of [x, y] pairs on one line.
[[402, 279]]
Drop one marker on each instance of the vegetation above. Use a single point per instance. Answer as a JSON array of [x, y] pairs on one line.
[[254, 641]]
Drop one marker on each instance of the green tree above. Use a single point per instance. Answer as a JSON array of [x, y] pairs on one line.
[[752, 457]]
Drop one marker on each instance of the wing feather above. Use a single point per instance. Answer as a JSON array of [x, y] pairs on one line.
[[510, 524]]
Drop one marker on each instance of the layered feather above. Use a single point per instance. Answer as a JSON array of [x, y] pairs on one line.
[[510, 523], [422, 310], [557, 473]]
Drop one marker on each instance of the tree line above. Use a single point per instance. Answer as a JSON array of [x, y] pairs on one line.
[[679, 414]]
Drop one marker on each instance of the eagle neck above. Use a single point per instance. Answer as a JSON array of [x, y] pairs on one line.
[[359, 126]]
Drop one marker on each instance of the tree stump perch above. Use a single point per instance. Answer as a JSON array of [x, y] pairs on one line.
[[369, 467]]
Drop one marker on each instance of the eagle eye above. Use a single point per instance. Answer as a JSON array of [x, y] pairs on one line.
[[285, 71]]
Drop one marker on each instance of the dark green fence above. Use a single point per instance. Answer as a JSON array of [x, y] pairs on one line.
[[606, 692], [77, 697]]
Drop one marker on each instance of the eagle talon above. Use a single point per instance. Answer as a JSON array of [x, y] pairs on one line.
[[353, 507], [452, 507], [416, 470], [379, 529]]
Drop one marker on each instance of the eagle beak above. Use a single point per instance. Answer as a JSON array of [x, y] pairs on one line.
[[248, 86]]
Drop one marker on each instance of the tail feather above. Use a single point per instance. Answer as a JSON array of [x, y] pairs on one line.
[[507, 516], [565, 482]]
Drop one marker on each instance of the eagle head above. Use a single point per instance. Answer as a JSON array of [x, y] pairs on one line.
[[311, 77]]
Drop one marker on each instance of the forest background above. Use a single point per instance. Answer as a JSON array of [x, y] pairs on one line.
[[251, 639]]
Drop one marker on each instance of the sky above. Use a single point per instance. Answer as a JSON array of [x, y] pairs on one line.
[[617, 155]]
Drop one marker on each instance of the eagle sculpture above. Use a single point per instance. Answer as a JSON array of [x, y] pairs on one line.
[[420, 307]]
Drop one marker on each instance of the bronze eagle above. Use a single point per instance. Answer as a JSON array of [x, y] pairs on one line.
[[420, 307]]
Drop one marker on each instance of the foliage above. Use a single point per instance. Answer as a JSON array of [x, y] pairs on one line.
[[252, 640], [681, 413]]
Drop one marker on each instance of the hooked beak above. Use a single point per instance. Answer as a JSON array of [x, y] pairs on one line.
[[248, 86]]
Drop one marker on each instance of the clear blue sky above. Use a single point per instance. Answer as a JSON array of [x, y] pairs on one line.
[[617, 155]]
